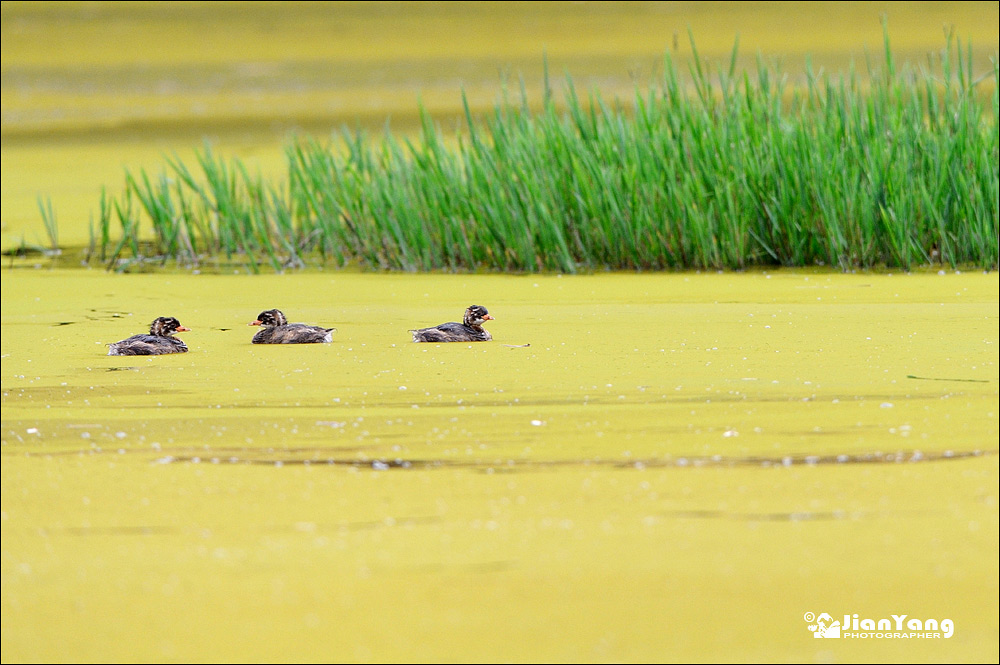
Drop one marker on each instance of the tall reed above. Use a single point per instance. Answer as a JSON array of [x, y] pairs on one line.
[[51, 225], [890, 166]]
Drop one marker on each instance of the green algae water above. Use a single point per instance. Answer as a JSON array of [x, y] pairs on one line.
[[638, 467], [677, 467]]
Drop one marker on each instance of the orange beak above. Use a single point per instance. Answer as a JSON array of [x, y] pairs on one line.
[[183, 329], [488, 318], [254, 323]]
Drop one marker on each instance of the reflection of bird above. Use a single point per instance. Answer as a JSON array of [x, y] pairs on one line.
[[277, 330], [160, 340], [470, 330]]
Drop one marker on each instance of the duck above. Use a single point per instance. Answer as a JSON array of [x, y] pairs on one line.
[[277, 330], [470, 330], [158, 342]]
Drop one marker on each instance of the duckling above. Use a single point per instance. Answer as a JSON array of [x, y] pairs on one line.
[[159, 341], [470, 330], [277, 330]]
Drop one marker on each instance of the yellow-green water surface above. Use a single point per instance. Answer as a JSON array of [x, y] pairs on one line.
[[679, 467]]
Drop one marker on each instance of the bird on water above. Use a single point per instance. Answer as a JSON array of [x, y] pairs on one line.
[[275, 329], [470, 330], [158, 342]]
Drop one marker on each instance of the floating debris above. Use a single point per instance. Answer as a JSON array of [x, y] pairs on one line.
[[931, 378], [306, 457]]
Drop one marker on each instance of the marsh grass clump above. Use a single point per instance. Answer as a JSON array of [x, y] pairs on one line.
[[724, 170]]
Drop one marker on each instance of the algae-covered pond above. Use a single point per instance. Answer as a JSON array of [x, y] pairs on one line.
[[675, 467], [679, 466]]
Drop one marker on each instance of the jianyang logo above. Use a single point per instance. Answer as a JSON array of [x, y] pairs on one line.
[[894, 627]]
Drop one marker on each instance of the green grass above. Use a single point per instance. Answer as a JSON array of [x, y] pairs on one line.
[[884, 167]]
